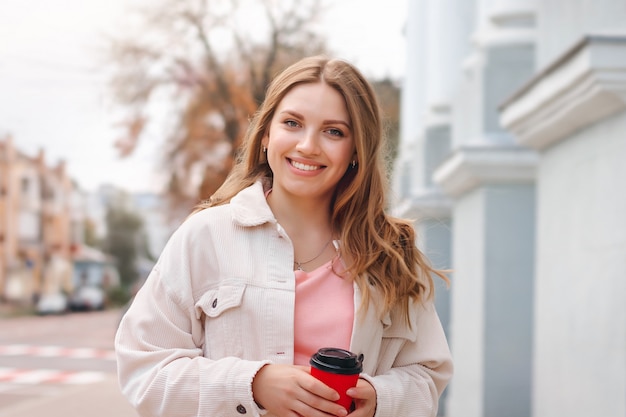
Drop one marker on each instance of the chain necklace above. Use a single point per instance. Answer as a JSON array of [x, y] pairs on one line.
[[299, 264]]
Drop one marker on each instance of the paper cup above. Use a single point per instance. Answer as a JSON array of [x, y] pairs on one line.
[[339, 369]]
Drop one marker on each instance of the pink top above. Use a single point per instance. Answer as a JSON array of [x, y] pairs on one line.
[[324, 311]]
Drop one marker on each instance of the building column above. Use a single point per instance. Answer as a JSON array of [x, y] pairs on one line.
[[437, 40], [574, 114], [490, 180], [412, 102]]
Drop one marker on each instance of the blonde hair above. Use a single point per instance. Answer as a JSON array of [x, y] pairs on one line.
[[380, 251]]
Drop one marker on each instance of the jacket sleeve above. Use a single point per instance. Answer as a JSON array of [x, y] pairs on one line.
[[414, 371], [159, 348]]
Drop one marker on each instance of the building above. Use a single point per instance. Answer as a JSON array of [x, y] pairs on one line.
[[157, 223], [513, 137], [36, 217], [43, 212]]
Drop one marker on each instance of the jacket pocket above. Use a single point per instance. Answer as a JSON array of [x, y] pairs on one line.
[[395, 325], [223, 321], [396, 336]]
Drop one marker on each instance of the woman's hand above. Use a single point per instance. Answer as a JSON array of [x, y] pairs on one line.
[[364, 396], [291, 391]]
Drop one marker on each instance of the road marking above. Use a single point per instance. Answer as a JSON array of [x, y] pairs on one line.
[[48, 376], [56, 351]]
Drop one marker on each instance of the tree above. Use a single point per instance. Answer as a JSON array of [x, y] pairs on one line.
[[209, 62], [125, 241], [90, 236], [388, 93]]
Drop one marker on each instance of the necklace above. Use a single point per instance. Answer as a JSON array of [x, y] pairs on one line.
[[299, 264]]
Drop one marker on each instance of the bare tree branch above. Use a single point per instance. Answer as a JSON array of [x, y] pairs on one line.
[[199, 63]]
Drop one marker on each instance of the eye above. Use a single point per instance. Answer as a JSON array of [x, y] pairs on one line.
[[291, 123], [335, 132]]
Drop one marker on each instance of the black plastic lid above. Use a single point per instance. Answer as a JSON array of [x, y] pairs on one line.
[[337, 361]]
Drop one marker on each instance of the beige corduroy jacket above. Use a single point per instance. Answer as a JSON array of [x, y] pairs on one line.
[[219, 305]]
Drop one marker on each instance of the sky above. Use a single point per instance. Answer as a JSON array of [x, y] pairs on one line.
[[54, 97]]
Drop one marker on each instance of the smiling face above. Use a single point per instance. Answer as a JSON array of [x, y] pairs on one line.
[[310, 143]]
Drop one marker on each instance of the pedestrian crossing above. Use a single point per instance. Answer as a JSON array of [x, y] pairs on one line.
[[10, 375], [48, 376], [56, 351]]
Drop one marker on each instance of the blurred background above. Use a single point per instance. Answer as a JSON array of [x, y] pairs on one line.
[[507, 126]]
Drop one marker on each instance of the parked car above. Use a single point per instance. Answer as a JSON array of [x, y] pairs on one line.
[[87, 298], [53, 303]]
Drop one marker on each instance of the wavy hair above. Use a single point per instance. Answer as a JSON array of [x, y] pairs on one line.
[[379, 250]]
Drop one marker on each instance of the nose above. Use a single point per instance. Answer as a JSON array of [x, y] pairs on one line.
[[308, 143]]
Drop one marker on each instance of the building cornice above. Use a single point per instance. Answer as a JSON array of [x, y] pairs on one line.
[[429, 203], [585, 85], [474, 166]]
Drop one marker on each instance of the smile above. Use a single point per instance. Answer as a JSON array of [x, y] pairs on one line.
[[304, 167]]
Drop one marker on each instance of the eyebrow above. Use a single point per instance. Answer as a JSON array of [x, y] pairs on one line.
[[326, 122]]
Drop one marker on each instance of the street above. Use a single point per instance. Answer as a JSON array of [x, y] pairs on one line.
[[61, 365]]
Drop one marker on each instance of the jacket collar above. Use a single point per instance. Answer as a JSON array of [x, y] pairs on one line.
[[250, 207]]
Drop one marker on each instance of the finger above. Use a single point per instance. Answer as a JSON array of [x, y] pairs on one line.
[[358, 393], [364, 396], [318, 388], [316, 407], [325, 405], [363, 390], [320, 396], [363, 408]]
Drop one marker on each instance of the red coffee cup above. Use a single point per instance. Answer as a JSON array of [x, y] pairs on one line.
[[339, 369]]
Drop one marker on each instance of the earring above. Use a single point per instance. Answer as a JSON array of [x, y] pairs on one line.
[[264, 149], [353, 164]]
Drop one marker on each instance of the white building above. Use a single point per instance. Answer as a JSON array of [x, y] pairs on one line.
[[512, 160], [157, 223]]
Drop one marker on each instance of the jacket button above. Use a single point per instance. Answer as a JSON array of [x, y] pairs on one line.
[[241, 409], [214, 303]]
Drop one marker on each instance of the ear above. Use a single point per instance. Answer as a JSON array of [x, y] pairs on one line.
[[266, 140]]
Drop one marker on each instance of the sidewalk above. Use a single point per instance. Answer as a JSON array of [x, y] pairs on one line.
[[8, 310], [102, 399]]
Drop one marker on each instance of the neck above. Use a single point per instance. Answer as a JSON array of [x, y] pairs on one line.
[[308, 226], [302, 217]]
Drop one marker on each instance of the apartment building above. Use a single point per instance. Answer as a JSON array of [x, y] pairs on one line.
[[38, 215]]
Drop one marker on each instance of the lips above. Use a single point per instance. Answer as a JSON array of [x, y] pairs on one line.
[[304, 167]]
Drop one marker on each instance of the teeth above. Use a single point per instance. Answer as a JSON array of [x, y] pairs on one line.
[[304, 167]]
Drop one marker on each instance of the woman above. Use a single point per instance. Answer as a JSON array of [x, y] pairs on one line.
[[293, 253]]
